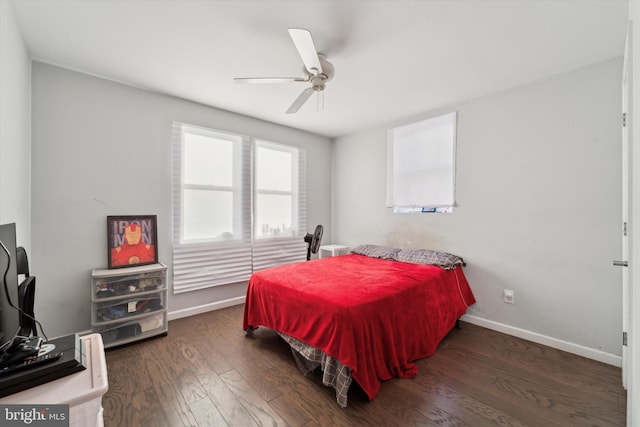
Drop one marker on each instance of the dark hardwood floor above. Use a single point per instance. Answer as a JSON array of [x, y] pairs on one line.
[[207, 373]]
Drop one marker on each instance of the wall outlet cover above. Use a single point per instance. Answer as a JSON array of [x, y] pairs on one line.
[[508, 296]]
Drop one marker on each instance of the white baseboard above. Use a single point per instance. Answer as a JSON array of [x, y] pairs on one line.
[[600, 356], [192, 311]]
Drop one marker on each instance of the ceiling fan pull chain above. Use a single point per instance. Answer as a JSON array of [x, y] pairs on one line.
[[320, 101]]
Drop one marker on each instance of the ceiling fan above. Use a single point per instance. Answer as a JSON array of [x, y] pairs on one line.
[[317, 70]]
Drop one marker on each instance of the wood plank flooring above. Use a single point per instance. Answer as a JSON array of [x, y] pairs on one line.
[[207, 373]]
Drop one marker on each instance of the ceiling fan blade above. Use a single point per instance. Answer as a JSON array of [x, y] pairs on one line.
[[261, 80], [307, 50], [300, 100]]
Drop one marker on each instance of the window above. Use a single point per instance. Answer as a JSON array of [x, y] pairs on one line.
[[237, 206], [212, 186], [421, 165], [276, 179]]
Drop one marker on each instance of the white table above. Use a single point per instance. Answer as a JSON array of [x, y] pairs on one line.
[[82, 391], [327, 251]]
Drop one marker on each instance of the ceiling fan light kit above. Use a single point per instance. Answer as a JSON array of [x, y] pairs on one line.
[[327, 71], [317, 70]]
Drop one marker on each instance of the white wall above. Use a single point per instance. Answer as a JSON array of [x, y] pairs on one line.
[[102, 148], [538, 193], [15, 145]]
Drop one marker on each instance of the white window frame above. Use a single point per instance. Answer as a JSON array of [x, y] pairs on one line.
[[204, 263], [421, 165], [236, 188], [293, 192]]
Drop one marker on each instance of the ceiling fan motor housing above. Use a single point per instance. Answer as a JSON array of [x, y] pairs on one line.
[[318, 81]]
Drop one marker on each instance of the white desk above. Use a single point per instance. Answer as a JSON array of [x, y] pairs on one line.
[[332, 250], [82, 391]]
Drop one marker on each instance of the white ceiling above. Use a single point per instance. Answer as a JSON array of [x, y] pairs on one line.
[[393, 59]]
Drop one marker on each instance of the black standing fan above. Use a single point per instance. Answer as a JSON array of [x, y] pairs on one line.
[[314, 241]]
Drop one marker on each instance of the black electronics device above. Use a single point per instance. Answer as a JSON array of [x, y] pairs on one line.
[[67, 357], [27, 360], [9, 318], [18, 350], [31, 362]]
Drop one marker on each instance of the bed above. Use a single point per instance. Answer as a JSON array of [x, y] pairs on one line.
[[366, 316]]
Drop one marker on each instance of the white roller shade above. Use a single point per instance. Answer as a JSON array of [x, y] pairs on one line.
[[421, 163]]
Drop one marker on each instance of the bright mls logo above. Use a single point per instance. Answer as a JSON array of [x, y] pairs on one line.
[[34, 415]]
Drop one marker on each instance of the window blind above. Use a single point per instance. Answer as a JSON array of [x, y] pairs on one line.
[[421, 163], [269, 252], [206, 265], [226, 257], [221, 257]]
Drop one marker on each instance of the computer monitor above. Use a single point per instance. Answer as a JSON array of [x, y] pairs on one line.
[[9, 316]]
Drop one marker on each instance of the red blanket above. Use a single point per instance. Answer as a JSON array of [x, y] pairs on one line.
[[375, 316]]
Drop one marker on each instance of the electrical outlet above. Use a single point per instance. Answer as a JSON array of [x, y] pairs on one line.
[[508, 296]]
